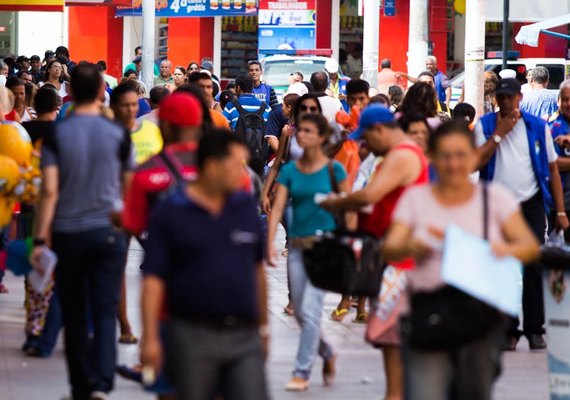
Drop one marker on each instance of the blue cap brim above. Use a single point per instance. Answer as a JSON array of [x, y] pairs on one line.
[[357, 134]]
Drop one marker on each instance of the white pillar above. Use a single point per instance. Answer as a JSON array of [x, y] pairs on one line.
[[418, 37], [475, 54], [335, 28], [218, 47], [148, 43], [370, 42]]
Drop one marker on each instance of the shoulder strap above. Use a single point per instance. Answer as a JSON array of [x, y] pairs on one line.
[[261, 109], [332, 177], [239, 107], [485, 211], [172, 169]]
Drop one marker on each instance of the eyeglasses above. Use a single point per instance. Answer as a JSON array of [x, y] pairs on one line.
[[254, 62], [313, 109]]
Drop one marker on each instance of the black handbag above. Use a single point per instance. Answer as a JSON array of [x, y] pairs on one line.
[[345, 262], [448, 317]]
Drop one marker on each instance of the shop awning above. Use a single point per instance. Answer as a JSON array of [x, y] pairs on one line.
[[529, 34], [32, 5]]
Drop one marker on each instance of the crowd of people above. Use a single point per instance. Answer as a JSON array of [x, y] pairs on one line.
[[203, 178]]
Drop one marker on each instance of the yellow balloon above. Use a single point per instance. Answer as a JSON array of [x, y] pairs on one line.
[[9, 174], [460, 6], [14, 146]]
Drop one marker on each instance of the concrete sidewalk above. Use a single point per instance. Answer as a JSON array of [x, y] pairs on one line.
[[360, 372]]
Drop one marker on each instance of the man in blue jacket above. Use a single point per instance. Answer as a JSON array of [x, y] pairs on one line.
[[261, 90], [516, 150]]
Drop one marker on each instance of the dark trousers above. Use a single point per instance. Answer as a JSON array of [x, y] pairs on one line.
[[88, 282], [48, 338], [203, 361], [533, 300]]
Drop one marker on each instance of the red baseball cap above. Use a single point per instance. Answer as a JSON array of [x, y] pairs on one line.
[[181, 109]]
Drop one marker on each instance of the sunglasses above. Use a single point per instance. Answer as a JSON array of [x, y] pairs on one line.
[[194, 69], [254, 62], [307, 108]]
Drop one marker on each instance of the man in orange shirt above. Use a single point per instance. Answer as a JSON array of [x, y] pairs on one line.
[[388, 77], [204, 81]]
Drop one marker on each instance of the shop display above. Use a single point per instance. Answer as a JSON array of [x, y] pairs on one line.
[[239, 44]]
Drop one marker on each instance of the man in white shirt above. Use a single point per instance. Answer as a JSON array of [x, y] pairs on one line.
[[516, 150], [330, 105]]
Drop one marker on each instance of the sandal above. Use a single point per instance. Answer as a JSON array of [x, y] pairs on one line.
[[361, 318], [128, 338], [339, 314]]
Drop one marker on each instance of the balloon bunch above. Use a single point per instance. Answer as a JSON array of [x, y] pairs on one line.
[[20, 176]]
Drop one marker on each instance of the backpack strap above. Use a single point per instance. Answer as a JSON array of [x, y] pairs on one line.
[[261, 109], [239, 107], [174, 170]]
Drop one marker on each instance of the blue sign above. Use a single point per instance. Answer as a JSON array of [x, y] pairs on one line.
[[193, 8], [389, 8]]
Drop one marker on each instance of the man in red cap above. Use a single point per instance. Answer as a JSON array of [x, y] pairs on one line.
[[180, 121]]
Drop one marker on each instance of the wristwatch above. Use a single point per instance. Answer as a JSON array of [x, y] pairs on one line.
[[39, 242], [497, 139]]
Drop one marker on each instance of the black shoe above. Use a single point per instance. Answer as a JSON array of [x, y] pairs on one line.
[[536, 342], [511, 343], [129, 373]]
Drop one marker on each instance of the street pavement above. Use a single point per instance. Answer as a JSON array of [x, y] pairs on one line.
[[360, 370]]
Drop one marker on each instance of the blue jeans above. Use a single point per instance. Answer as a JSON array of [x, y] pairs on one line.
[[308, 306], [88, 281]]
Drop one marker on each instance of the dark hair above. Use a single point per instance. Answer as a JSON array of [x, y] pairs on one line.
[[448, 129], [320, 81], [194, 90], [302, 99], [355, 86], [225, 97], [386, 63], [137, 49], [320, 121], [380, 98], [193, 63], [420, 98], [464, 112], [62, 50], [121, 90], [21, 73], [309, 86], [129, 72], [215, 144], [291, 99], [245, 83], [35, 58], [31, 90], [181, 68], [102, 64], [46, 100], [157, 94], [396, 95], [13, 82], [86, 83], [196, 76], [48, 67], [406, 120], [254, 62], [230, 86], [427, 73]]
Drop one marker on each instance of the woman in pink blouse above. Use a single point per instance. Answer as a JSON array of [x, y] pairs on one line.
[[466, 371]]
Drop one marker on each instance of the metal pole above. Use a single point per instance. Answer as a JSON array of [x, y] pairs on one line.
[[505, 32], [417, 38], [475, 54], [148, 39], [370, 44]]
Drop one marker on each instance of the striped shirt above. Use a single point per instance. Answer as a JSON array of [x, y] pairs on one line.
[[250, 103]]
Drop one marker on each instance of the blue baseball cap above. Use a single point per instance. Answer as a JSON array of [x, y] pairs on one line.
[[372, 115]]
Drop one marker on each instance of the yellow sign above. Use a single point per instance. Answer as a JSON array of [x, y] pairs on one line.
[[32, 5]]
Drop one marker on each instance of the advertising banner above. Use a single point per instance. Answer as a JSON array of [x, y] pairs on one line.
[[127, 3], [32, 5], [193, 8], [286, 25]]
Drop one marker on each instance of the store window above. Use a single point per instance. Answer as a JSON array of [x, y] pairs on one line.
[[351, 30], [239, 45], [7, 33]]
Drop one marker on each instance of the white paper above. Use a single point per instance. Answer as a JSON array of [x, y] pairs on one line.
[[47, 261], [469, 265]]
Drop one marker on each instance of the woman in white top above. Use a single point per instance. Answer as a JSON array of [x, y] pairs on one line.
[[53, 76]]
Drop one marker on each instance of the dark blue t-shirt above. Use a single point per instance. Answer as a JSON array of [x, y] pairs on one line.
[[208, 262]]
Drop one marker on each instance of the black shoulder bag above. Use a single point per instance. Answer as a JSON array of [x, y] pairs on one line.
[[448, 317], [343, 261]]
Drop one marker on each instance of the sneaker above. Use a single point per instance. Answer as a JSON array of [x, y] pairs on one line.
[[98, 396], [536, 342], [297, 384]]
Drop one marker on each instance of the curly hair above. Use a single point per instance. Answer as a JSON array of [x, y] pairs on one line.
[[421, 99]]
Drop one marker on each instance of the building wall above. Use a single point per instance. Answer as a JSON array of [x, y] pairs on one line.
[[38, 32], [190, 39]]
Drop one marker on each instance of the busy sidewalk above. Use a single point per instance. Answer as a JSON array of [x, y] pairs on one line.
[[359, 366]]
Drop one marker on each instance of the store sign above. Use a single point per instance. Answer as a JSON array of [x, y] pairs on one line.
[[32, 5], [127, 3], [286, 25], [193, 8], [389, 8]]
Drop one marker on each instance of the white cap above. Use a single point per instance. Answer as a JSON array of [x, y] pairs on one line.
[[331, 66], [297, 88], [508, 73]]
